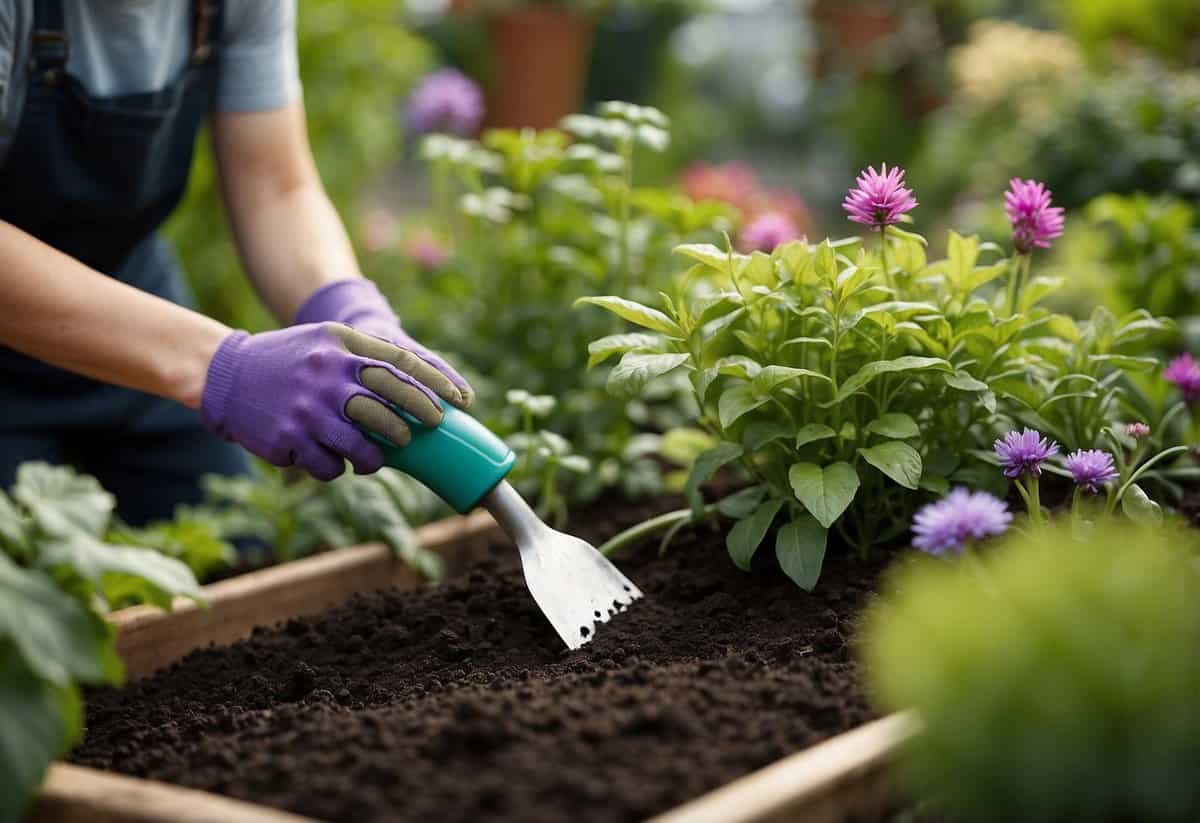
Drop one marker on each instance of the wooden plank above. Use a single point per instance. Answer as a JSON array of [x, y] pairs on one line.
[[73, 794], [149, 639], [846, 778]]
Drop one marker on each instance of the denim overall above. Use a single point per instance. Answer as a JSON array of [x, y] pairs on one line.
[[95, 178]]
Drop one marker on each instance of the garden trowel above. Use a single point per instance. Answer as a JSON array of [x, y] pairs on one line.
[[463, 463]]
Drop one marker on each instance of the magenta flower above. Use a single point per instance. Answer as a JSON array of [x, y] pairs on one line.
[[767, 231], [879, 198], [1024, 452], [959, 519], [1184, 372], [446, 101], [1137, 431], [1091, 469], [1034, 221], [424, 249]]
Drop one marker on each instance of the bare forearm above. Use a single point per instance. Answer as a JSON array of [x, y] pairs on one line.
[[57, 310], [290, 238], [292, 244]]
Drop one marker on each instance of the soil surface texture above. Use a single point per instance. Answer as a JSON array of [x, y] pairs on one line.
[[459, 703]]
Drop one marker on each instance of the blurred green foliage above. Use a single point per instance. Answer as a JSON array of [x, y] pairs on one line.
[[1056, 679], [535, 221], [1169, 28], [356, 63], [1136, 128], [1129, 251]]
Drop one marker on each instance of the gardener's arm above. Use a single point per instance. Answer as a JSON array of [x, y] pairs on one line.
[[58, 310], [290, 238]]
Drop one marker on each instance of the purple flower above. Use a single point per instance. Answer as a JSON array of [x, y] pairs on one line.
[[1091, 469], [446, 101], [768, 230], [1137, 431], [960, 518], [1034, 221], [879, 198], [1024, 452], [1184, 372]]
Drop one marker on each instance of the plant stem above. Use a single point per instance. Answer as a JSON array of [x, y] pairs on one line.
[[887, 274], [648, 527]]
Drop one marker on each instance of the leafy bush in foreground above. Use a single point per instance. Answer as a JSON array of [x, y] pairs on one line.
[[1056, 679], [57, 579]]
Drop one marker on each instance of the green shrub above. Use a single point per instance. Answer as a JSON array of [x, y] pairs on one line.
[[847, 393], [1057, 679], [535, 220]]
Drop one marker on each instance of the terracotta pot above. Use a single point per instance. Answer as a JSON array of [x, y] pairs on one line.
[[539, 61], [851, 32]]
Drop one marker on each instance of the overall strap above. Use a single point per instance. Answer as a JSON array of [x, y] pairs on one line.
[[48, 46], [205, 24]]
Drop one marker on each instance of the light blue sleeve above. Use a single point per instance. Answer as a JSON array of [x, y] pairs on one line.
[[258, 68]]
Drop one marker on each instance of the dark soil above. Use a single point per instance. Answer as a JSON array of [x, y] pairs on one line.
[[458, 702]]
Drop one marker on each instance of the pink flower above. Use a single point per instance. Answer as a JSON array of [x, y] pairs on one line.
[[1137, 431], [1034, 221], [426, 251], [768, 230], [732, 183], [1184, 372], [879, 198]]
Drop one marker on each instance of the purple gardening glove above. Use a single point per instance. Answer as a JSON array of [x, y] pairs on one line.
[[298, 395], [358, 303]]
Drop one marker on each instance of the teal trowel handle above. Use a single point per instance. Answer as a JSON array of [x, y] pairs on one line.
[[460, 460]]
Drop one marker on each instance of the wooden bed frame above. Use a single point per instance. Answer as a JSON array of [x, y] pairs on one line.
[[844, 778]]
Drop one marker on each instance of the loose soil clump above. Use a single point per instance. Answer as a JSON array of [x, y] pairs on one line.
[[458, 702]]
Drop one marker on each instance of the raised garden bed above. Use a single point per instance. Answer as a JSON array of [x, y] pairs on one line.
[[458, 703]]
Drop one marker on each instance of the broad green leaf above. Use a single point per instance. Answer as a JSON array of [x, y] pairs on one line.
[[874, 369], [746, 535], [1139, 508], [195, 541], [121, 571], [15, 537], [604, 348], [704, 468], [964, 382], [897, 460], [760, 433], [1126, 362], [808, 341], [736, 402], [713, 306], [683, 445], [895, 425], [984, 274], [756, 270], [961, 254], [706, 253], [827, 492], [58, 637], [800, 549], [61, 501], [742, 503], [935, 483], [630, 376], [771, 377], [738, 365], [635, 313], [812, 432], [41, 723]]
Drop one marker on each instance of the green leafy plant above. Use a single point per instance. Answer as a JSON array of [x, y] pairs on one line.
[[847, 382], [1055, 679], [295, 516], [1134, 250], [534, 220], [58, 577]]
